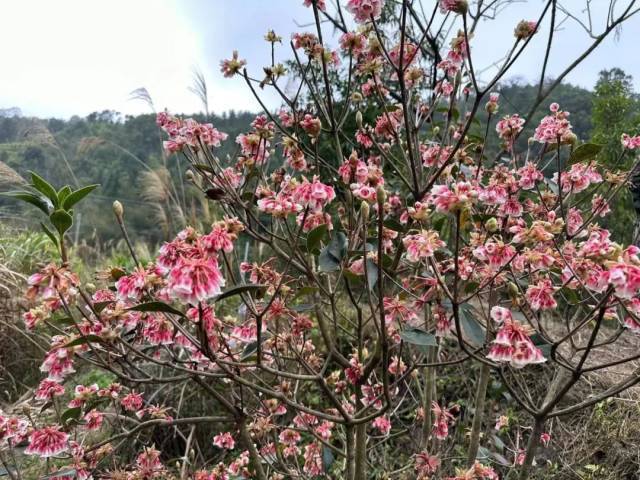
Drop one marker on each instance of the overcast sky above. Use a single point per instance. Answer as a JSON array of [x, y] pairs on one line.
[[73, 57]]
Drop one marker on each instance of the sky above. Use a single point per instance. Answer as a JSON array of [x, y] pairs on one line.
[[74, 57]]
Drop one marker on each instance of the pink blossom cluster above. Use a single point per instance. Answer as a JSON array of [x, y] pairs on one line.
[[188, 133], [555, 128], [513, 343]]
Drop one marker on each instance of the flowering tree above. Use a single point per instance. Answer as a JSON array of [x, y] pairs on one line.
[[378, 261]]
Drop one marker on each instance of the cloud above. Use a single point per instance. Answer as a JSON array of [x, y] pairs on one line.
[[75, 57]]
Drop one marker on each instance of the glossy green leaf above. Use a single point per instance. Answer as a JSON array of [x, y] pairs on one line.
[[416, 336], [50, 234], [316, 236], [61, 220], [586, 151], [45, 188], [156, 307], [75, 197], [237, 290], [31, 198], [471, 327]]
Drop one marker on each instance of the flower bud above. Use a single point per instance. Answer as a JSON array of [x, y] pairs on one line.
[[190, 176], [436, 130], [90, 288], [513, 289], [491, 225], [381, 195], [364, 210], [356, 97], [359, 119], [118, 209]]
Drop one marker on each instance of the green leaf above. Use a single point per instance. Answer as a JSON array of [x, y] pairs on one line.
[[372, 273], [471, 326], [327, 458], [31, 198], [63, 193], [327, 262], [50, 234], [416, 336], [338, 246], [45, 188], [156, 307], [78, 195], [315, 236], [586, 151], [393, 224], [252, 348], [99, 306], [331, 255], [61, 220], [70, 414], [83, 340], [237, 290], [306, 290]]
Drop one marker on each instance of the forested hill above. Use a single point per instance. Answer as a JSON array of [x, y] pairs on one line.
[[124, 155]]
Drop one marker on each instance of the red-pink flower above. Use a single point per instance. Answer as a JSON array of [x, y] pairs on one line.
[[363, 10], [195, 279], [422, 245], [132, 402], [512, 343], [48, 389], [47, 442], [442, 419], [382, 424], [93, 420], [426, 464], [224, 440], [540, 295]]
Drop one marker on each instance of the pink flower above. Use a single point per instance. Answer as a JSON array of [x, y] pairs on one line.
[[540, 295], [426, 464], [630, 143], [47, 442], [382, 424], [48, 389], [132, 402], [545, 438], [455, 6], [555, 127], [525, 29], [232, 66], [422, 245], [195, 279], [457, 197], [224, 440], [320, 3], [363, 10], [508, 128], [313, 460], [93, 420], [529, 175], [311, 125], [289, 436], [442, 419], [149, 464], [315, 194], [512, 343]]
